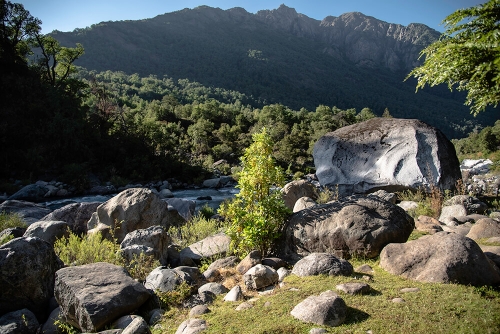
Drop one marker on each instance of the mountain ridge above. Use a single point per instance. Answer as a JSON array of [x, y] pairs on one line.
[[280, 56]]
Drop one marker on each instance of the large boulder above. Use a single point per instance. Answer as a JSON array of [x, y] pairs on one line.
[[75, 214], [94, 295], [132, 209], [385, 153], [28, 211], [48, 231], [327, 309], [322, 264], [259, 277], [152, 241], [184, 207], [294, 190], [441, 258], [166, 279], [31, 192], [484, 228], [212, 246], [27, 268], [354, 225], [19, 322]]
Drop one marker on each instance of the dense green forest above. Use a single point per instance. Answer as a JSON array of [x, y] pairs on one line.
[[240, 51]]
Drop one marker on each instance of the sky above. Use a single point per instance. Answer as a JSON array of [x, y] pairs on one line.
[[66, 15]]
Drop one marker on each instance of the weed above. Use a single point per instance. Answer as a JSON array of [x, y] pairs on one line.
[[174, 298], [6, 238], [141, 265], [8, 220], [196, 229], [326, 195]]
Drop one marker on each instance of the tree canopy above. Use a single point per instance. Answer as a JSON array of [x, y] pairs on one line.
[[467, 56]]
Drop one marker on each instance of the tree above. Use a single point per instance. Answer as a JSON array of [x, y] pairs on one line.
[[466, 56], [258, 211]]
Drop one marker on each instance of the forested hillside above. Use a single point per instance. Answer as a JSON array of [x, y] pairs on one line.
[[280, 56]]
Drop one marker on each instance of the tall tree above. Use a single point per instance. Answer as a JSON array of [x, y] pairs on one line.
[[467, 56]]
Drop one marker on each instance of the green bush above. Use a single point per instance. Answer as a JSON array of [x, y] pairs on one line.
[[8, 220], [198, 228], [258, 211]]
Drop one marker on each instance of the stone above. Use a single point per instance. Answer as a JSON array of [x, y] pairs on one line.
[[199, 310], [484, 228], [409, 290], [184, 207], [364, 269], [133, 209], [398, 300], [202, 298], [455, 210], [30, 193], [428, 224], [303, 203], [493, 253], [166, 279], [317, 331], [386, 196], [165, 193], [327, 309], [48, 231], [234, 294], [408, 205], [215, 288], [356, 225], [386, 153], [137, 326], [192, 326], [227, 262], [49, 327], [155, 316], [152, 241], [260, 276], [13, 232], [75, 214], [441, 258], [282, 273], [322, 263], [244, 306], [471, 204], [28, 211], [19, 322], [252, 259], [274, 262], [294, 190], [212, 246], [212, 183], [94, 295], [354, 288], [27, 268]]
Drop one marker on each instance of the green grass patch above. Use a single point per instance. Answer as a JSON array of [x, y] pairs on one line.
[[436, 308], [198, 228]]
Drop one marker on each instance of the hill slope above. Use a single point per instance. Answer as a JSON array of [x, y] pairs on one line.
[[280, 56]]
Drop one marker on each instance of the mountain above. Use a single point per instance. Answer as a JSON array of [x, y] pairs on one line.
[[281, 56]]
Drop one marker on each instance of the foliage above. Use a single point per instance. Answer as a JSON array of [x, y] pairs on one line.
[[90, 248], [484, 144], [197, 228], [175, 297], [6, 238], [258, 211], [141, 265], [326, 195], [467, 56], [207, 211], [8, 220]]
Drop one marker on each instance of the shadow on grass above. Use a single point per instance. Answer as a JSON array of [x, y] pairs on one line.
[[355, 316]]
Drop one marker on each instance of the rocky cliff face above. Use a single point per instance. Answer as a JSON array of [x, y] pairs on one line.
[[361, 39]]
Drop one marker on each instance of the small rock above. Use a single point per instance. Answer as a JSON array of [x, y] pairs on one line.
[[364, 269], [354, 288], [234, 294], [199, 310], [192, 326], [398, 300], [405, 290], [244, 306]]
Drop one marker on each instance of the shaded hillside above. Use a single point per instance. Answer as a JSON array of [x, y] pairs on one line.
[[279, 56]]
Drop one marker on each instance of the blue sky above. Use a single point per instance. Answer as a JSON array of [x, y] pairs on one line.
[[66, 15]]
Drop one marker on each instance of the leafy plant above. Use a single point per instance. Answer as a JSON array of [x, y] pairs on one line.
[[8, 220], [194, 230], [141, 265], [326, 195], [207, 211], [175, 297], [258, 211]]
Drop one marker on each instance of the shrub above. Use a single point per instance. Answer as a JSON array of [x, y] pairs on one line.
[[8, 220], [198, 228], [258, 211]]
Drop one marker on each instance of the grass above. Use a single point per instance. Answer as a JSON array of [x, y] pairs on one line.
[[436, 308], [198, 228], [8, 220]]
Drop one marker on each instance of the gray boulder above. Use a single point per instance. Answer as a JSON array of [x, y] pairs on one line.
[[386, 153], [165, 279], [322, 263], [259, 277], [234, 294], [484, 228], [192, 326], [28, 211], [471, 204], [227, 262], [31, 193], [75, 214], [14, 232], [355, 225], [49, 327], [252, 259], [303, 203], [27, 268], [137, 326], [184, 207], [442, 258], [428, 224], [354, 288], [152, 241], [215, 288], [386, 196], [452, 211], [212, 246], [212, 183], [48, 231], [19, 322], [327, 309], [94, 295], [294, 190], [133, 209]]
